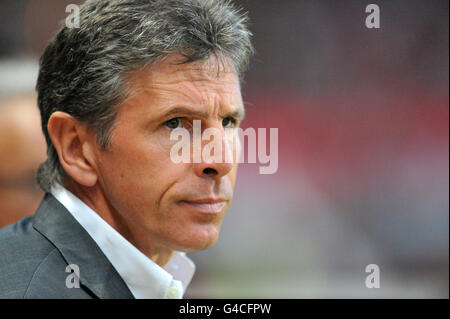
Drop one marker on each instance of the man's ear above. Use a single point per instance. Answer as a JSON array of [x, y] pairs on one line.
[[74, 144]]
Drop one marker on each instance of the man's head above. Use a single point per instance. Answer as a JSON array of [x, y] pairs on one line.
[[111, 91]]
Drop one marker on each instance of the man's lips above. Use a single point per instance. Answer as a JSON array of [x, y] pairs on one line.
[[208, 206]]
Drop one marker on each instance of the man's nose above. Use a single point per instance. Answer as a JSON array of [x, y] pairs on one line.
[[214, 169], [216, 166]]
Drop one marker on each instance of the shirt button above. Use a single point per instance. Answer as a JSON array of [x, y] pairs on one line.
[[173, 293]]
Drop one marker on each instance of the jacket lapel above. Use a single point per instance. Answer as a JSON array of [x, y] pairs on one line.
[[54, 222]]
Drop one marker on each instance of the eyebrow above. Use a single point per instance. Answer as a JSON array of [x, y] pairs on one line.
[[239, 113]]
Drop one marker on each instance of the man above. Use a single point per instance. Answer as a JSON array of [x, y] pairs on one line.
[[22, 145], [22, 148], [119, 213]]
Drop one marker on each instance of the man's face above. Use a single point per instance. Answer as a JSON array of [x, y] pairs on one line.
[[177, 205]]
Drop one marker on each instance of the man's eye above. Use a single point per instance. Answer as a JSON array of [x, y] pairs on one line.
[[173, 123], [228, 122]]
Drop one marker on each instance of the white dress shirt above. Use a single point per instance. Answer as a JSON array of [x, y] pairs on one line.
[[144, 277]]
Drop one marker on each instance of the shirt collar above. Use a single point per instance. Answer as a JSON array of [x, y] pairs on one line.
[[144, 277]]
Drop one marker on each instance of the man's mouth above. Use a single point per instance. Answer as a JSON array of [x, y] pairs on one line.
[[207, 206]]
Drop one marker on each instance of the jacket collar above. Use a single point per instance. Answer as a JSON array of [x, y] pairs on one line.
[[55, 223]]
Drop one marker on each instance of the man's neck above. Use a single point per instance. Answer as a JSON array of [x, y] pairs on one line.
[[95, 199]]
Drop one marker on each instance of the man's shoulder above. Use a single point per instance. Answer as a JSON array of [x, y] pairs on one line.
[[27, 260], [36, 252], [21, 243]]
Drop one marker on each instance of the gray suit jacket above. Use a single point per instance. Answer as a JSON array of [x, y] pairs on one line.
[[35, 251]]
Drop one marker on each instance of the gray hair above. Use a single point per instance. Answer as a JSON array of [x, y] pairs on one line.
[[83, 70]]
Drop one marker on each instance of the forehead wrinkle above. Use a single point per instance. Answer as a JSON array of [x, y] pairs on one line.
[[188, 84], [195, 92], [159, 82], [172, 93], [212, 67], [205, 108]]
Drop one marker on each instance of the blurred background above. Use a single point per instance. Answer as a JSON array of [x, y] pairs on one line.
[[363, 173]]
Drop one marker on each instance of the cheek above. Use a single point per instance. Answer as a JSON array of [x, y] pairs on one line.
[[232, 176], [234, 144], [237, 150], [140, 170], [140, 155]]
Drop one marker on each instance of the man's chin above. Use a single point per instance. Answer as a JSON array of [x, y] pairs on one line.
[[197, 247], [196, 242]]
